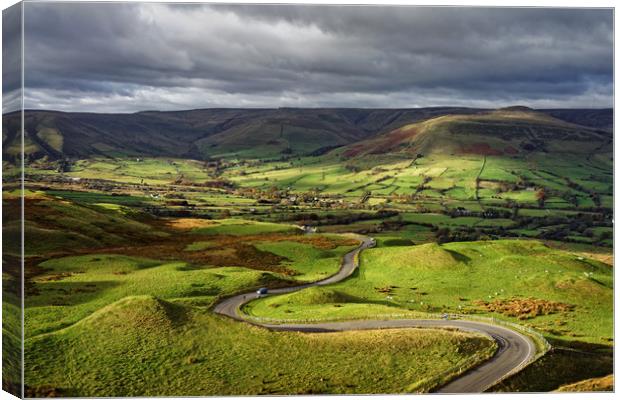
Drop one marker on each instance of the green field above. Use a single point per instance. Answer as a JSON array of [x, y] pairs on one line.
[[141, 345], [140, 170], [238, 227], [448, 178], [97, 198], [457, 278], [309, 262], [71, 288]]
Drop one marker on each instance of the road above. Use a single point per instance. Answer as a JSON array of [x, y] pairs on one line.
[[514, 349]]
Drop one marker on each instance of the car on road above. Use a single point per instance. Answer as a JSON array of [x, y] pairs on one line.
[[262, 291]]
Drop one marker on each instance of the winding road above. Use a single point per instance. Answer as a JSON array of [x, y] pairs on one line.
[[514, 348]]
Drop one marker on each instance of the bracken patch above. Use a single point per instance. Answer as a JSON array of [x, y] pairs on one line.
[[481, 148], [524, 308], [510, 150], [189, 223], [320, 242], [604, 384], [394, 139]]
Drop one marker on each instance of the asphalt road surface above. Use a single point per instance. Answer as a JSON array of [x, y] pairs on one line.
[[514, 349]]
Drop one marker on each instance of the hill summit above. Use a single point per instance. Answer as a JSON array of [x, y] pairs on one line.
[[508, 131]]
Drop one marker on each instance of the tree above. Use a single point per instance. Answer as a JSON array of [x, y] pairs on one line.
[[541, 196], [596, 198], [442, 235]]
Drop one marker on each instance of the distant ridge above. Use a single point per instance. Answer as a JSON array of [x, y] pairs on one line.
[[230, 132], [516, 108]]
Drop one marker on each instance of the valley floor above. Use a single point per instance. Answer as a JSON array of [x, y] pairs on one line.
[[123, 271]]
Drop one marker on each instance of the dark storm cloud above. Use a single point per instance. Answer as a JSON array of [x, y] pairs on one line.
[[11, 58], [127, 57]]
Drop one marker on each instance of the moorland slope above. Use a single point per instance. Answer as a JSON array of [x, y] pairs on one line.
[[245, 133]]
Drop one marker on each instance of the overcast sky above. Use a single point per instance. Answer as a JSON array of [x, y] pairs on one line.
[[111, 57]]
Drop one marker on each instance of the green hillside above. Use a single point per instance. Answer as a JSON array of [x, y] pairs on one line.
[[153, 347], [564, 296], [229, 133], [198, 134], [512, 132]]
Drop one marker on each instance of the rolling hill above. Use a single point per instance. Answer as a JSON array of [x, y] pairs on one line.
[[249, 133], [509, 131], [199, 134]]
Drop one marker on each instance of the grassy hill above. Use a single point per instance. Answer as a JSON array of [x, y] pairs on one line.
[[145, 346], [236, 133], [53, 225], [102, 322], [567, 297], [511, 132]]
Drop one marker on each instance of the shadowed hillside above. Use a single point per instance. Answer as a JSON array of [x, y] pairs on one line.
[[233, 133]]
